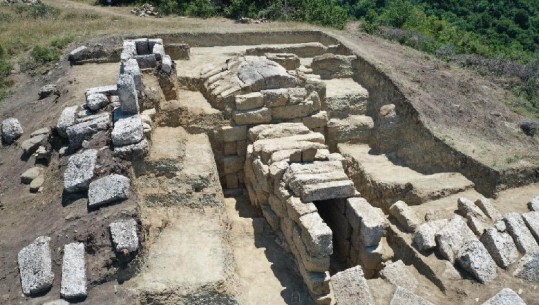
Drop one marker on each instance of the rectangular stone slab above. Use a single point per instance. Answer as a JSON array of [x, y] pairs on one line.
[[73, 272], [35, 266]]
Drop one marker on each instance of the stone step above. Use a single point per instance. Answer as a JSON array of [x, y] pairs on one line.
[[166, 152], [344, 97], [383, 182]]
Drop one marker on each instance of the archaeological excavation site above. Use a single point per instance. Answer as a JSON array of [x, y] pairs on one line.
[[284, 167]]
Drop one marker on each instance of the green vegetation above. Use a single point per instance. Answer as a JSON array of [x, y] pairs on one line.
[[5, 69]]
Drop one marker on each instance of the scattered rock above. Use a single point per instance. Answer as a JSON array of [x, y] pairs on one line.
[[43, 153], [73, 272], [424, 238], [79, 54], [11, 130], [41, 131], [36, 184], [30, 146], [528, 268], [124, 235], [474, 258], [108, 189], [96, 101], [30, 174], [80, 171], [501, 247], [145, 10], [127, 131], [530, 128], [350, 287], [505, 297], [35, 266], [48, 90], [405, 216], [521, 235], [67, 119]]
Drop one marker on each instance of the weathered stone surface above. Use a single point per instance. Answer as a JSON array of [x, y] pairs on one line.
[[11, 130], [232, 164], [134, 151], [96, 101], [48, 90], [452, 237], [142, 46], [31, 174], [35, 266], [328, 190], [405, 216], [124, 235], [127, 131], [318, 120], [528, 268], [403, 296], [159, 51], [56, 302], [397, 274], [40, 132], [505, 297], [127, 92], [85, 130], [288, 60], [166, 64], [316, 235], [107, 90], [486, 206], [501, 247], [350, 287], [67, 118], [296, 208], [131, 67], [476, 225], [521, 235], [258, 116], [369, 221], [532, 221], [79, 54], [73, 272], [352, 128], [233, 133], [108, 189], [146, 61], [296, 111], [467, 207], [275, 131], [36, 184], [533, 205], [249, 101], [424, 238], [474, 258], [333, 66], [80, 171], [275, 97]]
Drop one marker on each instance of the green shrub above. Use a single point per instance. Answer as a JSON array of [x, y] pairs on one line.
[[44, 55], [201, 8], [36, 11]]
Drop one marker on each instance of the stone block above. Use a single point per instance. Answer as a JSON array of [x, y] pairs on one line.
[[528, 268], [296, 208], [127, 92], [232, 164], [368, 223], [476, 225], [40, 132], [318, 120], [253, 117], [532, 221], [131, 67], [398, 274], [275, 97], [330, 66], [107, 90], [275, 131], [355, 128], [533, 205], [167, 64], [11, 130], [277, 205], [29, 146], [405, 216], [148, 61], [328, 190], [452, 237], [159, 51], [296, 111], [127, 131], [80, 171], [96, 101], [142, 46], [73, 272], [505, 297], [488, 209], [79, 54], [108, 189], [403, 296], [67, 119], [501, 247], [230, 148], [316, 235], [178, 51], [249, 101], [270, 217], [134, 151], [522, 236], [31, 174], [233, 133], [350, 287], [288, 60], [468, 207], [35, 266], [154, 41], [424, 237], [124, 236], [474, 258], [35, 185]]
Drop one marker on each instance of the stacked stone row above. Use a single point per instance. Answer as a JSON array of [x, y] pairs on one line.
[[288, 168], [35, 262]]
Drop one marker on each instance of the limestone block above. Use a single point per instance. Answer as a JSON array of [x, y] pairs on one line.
[[533, 205], [501, 247], [468, 207], [277, 206], [505, 297], [127, 131], [131, 67], [405, 216], [398, 274], [316, 235], [96, 101], [73, 272], [124, 235], [107, 90], [127, 92], [80, 171], [148, 61], [270, 216], [166, 64], [232, 164], [296, 183], [354, 128], [158, 50], [522, 236], [318, 120], [371, 258], [403, 296], [424, 237], [296, 208], [11, 130], [368, 223], [532, 221], [288, 60], [134, 151], [233, 133], [275, 97], [67, 118], [330, 66], [35, 266], [350, 287], [31, 174], [474, 258], [249, 101], [266, 150], [452, 237], [328, 190], [486, 206], [275, 131], [108, 189], [252, 117]]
